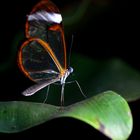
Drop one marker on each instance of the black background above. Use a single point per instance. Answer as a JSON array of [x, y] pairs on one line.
[[112, 33]]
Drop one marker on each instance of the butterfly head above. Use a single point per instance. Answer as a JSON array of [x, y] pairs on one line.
[[70, 70]]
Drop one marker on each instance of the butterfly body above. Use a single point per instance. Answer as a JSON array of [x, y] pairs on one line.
[[65, 75]]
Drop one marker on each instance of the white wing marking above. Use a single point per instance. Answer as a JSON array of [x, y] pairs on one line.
[[46, 16]]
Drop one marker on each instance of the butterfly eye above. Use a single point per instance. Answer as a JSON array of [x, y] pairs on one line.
[[70, 69]]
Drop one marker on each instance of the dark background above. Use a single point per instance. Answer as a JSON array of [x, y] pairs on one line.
[[110, 33]]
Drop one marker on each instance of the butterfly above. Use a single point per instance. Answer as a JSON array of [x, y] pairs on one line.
[[42, 57]]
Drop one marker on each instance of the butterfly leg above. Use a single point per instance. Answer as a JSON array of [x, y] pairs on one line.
[[80, 88], [48, 88], [75, 81], [62, 95]]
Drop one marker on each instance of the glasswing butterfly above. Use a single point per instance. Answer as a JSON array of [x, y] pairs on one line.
[[42, 58]]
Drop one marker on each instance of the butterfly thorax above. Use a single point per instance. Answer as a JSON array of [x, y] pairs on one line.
[[65, 75]]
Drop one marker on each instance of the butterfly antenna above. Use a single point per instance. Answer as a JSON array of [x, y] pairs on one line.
[[70, 49]]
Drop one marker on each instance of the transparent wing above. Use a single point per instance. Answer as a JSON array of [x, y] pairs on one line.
[[36, 62], [45, 22], [33, 89]]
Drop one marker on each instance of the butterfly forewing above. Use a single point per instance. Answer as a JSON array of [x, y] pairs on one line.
[[45, 22]]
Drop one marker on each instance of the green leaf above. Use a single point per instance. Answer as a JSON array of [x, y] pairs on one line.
[[99, 76], [107, 112]]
